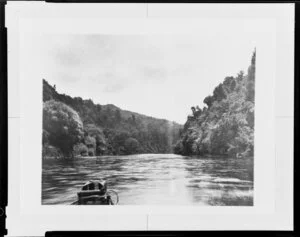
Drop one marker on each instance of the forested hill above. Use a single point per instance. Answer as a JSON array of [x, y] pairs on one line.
[[225, 126], [77, 127]]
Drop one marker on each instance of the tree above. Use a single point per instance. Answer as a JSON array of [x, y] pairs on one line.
[[178, 149], [133, 119], [63, 125], [98, 108], [80, 149], [90, 142], [118, 115], [240, 75], [198, 111], [45, 139], [226, 126], [219, 93], [229, 84], [101, 123], [131, 145], [96, 132], [208, 100], [251, 79], [250, 94], [193, 110]]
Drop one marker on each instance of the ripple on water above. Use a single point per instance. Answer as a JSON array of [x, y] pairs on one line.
[[153, 179], [230, 180]]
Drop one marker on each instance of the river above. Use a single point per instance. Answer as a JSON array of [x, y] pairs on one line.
[[153, 179]]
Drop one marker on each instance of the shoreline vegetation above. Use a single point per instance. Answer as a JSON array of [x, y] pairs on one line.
[[74, 127], [225, 126], [208, 156]]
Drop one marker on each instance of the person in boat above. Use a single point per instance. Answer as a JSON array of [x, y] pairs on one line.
[[94, 192]]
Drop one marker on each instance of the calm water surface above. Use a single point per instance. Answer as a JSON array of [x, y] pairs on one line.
[[148, 179]]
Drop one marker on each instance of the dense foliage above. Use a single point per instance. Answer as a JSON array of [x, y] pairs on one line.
[[62, 126], [77, 127], [225, 126]]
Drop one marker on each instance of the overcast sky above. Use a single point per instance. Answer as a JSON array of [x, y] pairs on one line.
[[156, 75]]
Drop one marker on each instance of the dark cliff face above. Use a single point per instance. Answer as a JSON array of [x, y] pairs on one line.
[[225, 126], [107, 129]]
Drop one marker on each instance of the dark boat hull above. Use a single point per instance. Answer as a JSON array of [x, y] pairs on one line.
[[94, 200]]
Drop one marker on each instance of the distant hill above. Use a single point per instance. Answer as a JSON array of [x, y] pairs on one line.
[[94, 129], [225, 126]]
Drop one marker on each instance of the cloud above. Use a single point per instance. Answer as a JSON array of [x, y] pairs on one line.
[[113, 63], [113, 88], [160, 70], [154, 73], [67, 58]]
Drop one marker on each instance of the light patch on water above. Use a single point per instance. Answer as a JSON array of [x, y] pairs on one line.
[[230, 180], [153, 179]]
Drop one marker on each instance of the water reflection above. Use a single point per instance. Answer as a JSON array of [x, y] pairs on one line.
[[218, 181], [153, 179]]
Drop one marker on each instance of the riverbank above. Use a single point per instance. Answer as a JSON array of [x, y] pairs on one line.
[[146, 154], [107, 156]]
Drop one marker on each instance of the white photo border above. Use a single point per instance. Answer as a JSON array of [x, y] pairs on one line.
[[273, 121]]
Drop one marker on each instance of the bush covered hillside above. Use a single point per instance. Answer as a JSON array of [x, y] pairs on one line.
[[77, 127], [225, 126]]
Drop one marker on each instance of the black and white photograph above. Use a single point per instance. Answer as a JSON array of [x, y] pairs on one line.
[[150, 117], [148, 120]]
